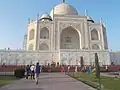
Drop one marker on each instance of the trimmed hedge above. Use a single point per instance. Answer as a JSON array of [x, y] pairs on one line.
[[46, 69], [51, 69], [19, 73], [57, 69]]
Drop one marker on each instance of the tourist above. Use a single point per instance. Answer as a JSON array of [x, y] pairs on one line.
[[27, 69], [83, 69], [37, 72], [32, 68], [106, 67], [76, 68], [68, 69], [89, 70], [62, 69], [94, 70]]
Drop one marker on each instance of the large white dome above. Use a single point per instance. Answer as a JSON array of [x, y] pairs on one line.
[[64, 9]]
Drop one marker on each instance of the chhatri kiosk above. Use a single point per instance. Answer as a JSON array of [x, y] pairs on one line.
[[62, 36]]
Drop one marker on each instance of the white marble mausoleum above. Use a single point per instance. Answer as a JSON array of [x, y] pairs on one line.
[[62, 36]]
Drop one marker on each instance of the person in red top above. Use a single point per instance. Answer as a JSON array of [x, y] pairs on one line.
[[62, 69]]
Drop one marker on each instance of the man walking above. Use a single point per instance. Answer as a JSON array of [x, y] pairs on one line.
[[37, 72]]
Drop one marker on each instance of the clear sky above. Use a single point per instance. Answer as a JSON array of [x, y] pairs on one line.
[[14, 16]]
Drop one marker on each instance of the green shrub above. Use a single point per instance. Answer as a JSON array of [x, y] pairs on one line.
[[19, 73]]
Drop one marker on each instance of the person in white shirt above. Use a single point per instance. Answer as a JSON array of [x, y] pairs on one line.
[[32, 68], [68, 69], [106, 67], [76, 68]]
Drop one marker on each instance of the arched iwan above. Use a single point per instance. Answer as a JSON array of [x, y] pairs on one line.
[[69, 39]]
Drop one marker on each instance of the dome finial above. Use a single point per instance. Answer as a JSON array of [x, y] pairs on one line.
[[63, 1]]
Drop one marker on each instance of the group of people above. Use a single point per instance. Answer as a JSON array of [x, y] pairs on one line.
[[33, 71], [68, 69]]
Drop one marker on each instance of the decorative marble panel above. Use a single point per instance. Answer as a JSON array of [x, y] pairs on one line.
[[65, 25]]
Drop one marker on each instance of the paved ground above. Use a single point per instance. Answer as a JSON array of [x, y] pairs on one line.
[[51, 81], [6, 73]]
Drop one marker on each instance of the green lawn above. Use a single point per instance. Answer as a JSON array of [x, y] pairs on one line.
[[107, 82], [6, 80]]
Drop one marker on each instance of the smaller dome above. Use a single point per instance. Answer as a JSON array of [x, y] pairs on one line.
[[45, 16]]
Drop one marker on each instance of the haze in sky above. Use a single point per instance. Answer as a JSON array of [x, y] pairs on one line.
[[14, 16]]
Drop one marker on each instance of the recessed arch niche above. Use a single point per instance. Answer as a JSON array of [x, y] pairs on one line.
[[69, 38], [94, 35], [31, 34], [44, 33]]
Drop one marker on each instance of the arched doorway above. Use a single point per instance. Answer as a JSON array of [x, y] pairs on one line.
[[69, 39]]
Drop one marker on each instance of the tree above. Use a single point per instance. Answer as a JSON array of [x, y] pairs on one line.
[[81, 61], [97, 66], [97, 70]]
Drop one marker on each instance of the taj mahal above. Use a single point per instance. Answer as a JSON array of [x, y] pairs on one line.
[[63, 36]]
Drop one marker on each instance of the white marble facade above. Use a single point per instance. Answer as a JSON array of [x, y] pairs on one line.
[[59, 36], [66, 58]]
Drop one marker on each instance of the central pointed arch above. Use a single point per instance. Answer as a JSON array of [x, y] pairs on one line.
[[69, 38]]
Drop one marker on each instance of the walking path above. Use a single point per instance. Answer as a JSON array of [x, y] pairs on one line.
[[49, 81]]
